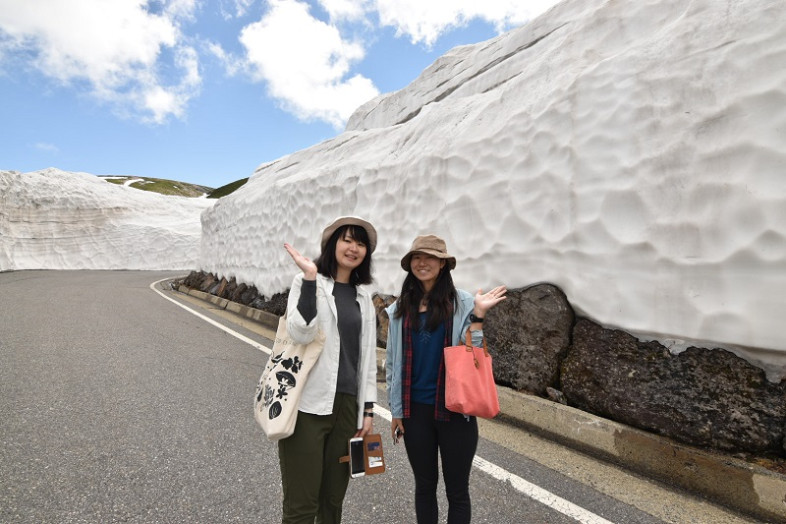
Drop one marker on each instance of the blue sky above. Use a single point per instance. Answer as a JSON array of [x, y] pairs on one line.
[[203, 91]]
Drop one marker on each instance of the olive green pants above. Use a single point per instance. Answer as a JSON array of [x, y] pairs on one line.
[[313, 479]]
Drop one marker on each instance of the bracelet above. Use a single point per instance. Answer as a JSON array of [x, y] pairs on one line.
[[369, 414]]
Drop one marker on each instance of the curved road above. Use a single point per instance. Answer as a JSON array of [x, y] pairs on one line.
[[119, 406]]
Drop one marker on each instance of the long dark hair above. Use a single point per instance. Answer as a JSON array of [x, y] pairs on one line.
[[441, 299], [327, 264]]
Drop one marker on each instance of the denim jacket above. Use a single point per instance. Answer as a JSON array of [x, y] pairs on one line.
[[394, 359]]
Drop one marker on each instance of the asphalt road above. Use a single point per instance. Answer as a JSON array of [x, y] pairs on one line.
[[119, 406]]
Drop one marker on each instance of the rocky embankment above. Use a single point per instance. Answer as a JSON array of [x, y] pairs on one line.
[[709, 398]]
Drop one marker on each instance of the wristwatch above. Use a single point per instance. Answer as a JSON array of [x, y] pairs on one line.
[[369, 414], [473, 318]]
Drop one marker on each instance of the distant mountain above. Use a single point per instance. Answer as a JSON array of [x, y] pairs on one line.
[[159, 185]]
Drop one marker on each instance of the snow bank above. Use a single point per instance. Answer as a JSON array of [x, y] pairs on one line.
[[53, 219], [629, 152]]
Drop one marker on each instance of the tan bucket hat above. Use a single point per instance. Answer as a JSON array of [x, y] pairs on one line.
[[351, 221], [430, 245]]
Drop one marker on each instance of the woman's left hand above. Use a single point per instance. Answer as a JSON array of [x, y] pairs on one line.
[[368, 426], [486, 301]]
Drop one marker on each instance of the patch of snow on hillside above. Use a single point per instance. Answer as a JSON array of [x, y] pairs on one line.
[[53, 219]]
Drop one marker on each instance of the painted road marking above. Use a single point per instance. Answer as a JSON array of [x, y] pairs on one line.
[[219, 325]]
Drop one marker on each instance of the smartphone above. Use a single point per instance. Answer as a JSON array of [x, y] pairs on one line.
[[397, 435], [357, 467]]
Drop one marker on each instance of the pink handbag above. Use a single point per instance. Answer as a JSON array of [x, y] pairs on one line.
[[469, 380]]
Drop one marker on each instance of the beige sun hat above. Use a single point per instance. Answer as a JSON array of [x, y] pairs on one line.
[[351, 221], [430, 245]]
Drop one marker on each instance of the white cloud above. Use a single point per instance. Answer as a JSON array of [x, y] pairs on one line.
[[306, 63], [231, 63], [234, 8], [49, 148], [352, 10], [115, 47], [180, 9], [425, 21], [134, 55], [162, 102]]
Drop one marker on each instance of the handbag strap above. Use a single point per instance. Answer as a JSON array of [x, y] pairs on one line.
[[468, 342], [471, 349]]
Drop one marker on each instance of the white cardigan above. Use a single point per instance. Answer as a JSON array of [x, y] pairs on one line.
[[320, 388]]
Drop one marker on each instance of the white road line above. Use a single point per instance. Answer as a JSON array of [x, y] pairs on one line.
[[527, 488], [245, 339], [539, 494]]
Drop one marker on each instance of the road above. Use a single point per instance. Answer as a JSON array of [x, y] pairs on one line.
[[117, 405]]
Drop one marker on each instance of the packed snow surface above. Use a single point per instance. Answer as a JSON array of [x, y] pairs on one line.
[[631, 153], [54, 219]]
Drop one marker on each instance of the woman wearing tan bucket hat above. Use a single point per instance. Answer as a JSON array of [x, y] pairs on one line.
[[338, 399], [429, 315]]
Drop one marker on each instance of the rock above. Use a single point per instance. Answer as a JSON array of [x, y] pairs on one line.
[[276, 305], [248, 295], [706, 398], [230, 288], [556, 395], [257, 302], [528, 335], [219, 290], [237, 292], [194, 279], [207, 283]]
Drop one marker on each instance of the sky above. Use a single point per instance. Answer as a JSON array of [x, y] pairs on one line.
[[204, 91]]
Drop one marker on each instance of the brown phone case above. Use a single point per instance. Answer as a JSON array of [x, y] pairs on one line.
[[373, 455]]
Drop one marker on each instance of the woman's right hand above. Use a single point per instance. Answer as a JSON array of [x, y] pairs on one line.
[[396, 424], [305, 264]]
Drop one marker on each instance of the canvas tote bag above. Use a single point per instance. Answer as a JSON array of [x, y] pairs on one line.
[[469, 380], [283, 379]]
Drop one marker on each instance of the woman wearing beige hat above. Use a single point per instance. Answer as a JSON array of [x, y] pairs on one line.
[[338, 399], [429, 315]]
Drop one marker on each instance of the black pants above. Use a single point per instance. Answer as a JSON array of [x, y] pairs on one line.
[[456, 442]]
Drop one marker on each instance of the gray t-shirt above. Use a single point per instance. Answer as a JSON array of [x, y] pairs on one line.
[[350, 324], [349, 327]]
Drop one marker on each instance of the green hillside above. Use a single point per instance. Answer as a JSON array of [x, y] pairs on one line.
[[158, 185], [227, 189]]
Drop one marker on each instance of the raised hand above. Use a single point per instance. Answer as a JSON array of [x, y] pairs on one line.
[[304, 263], [486, 301]]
